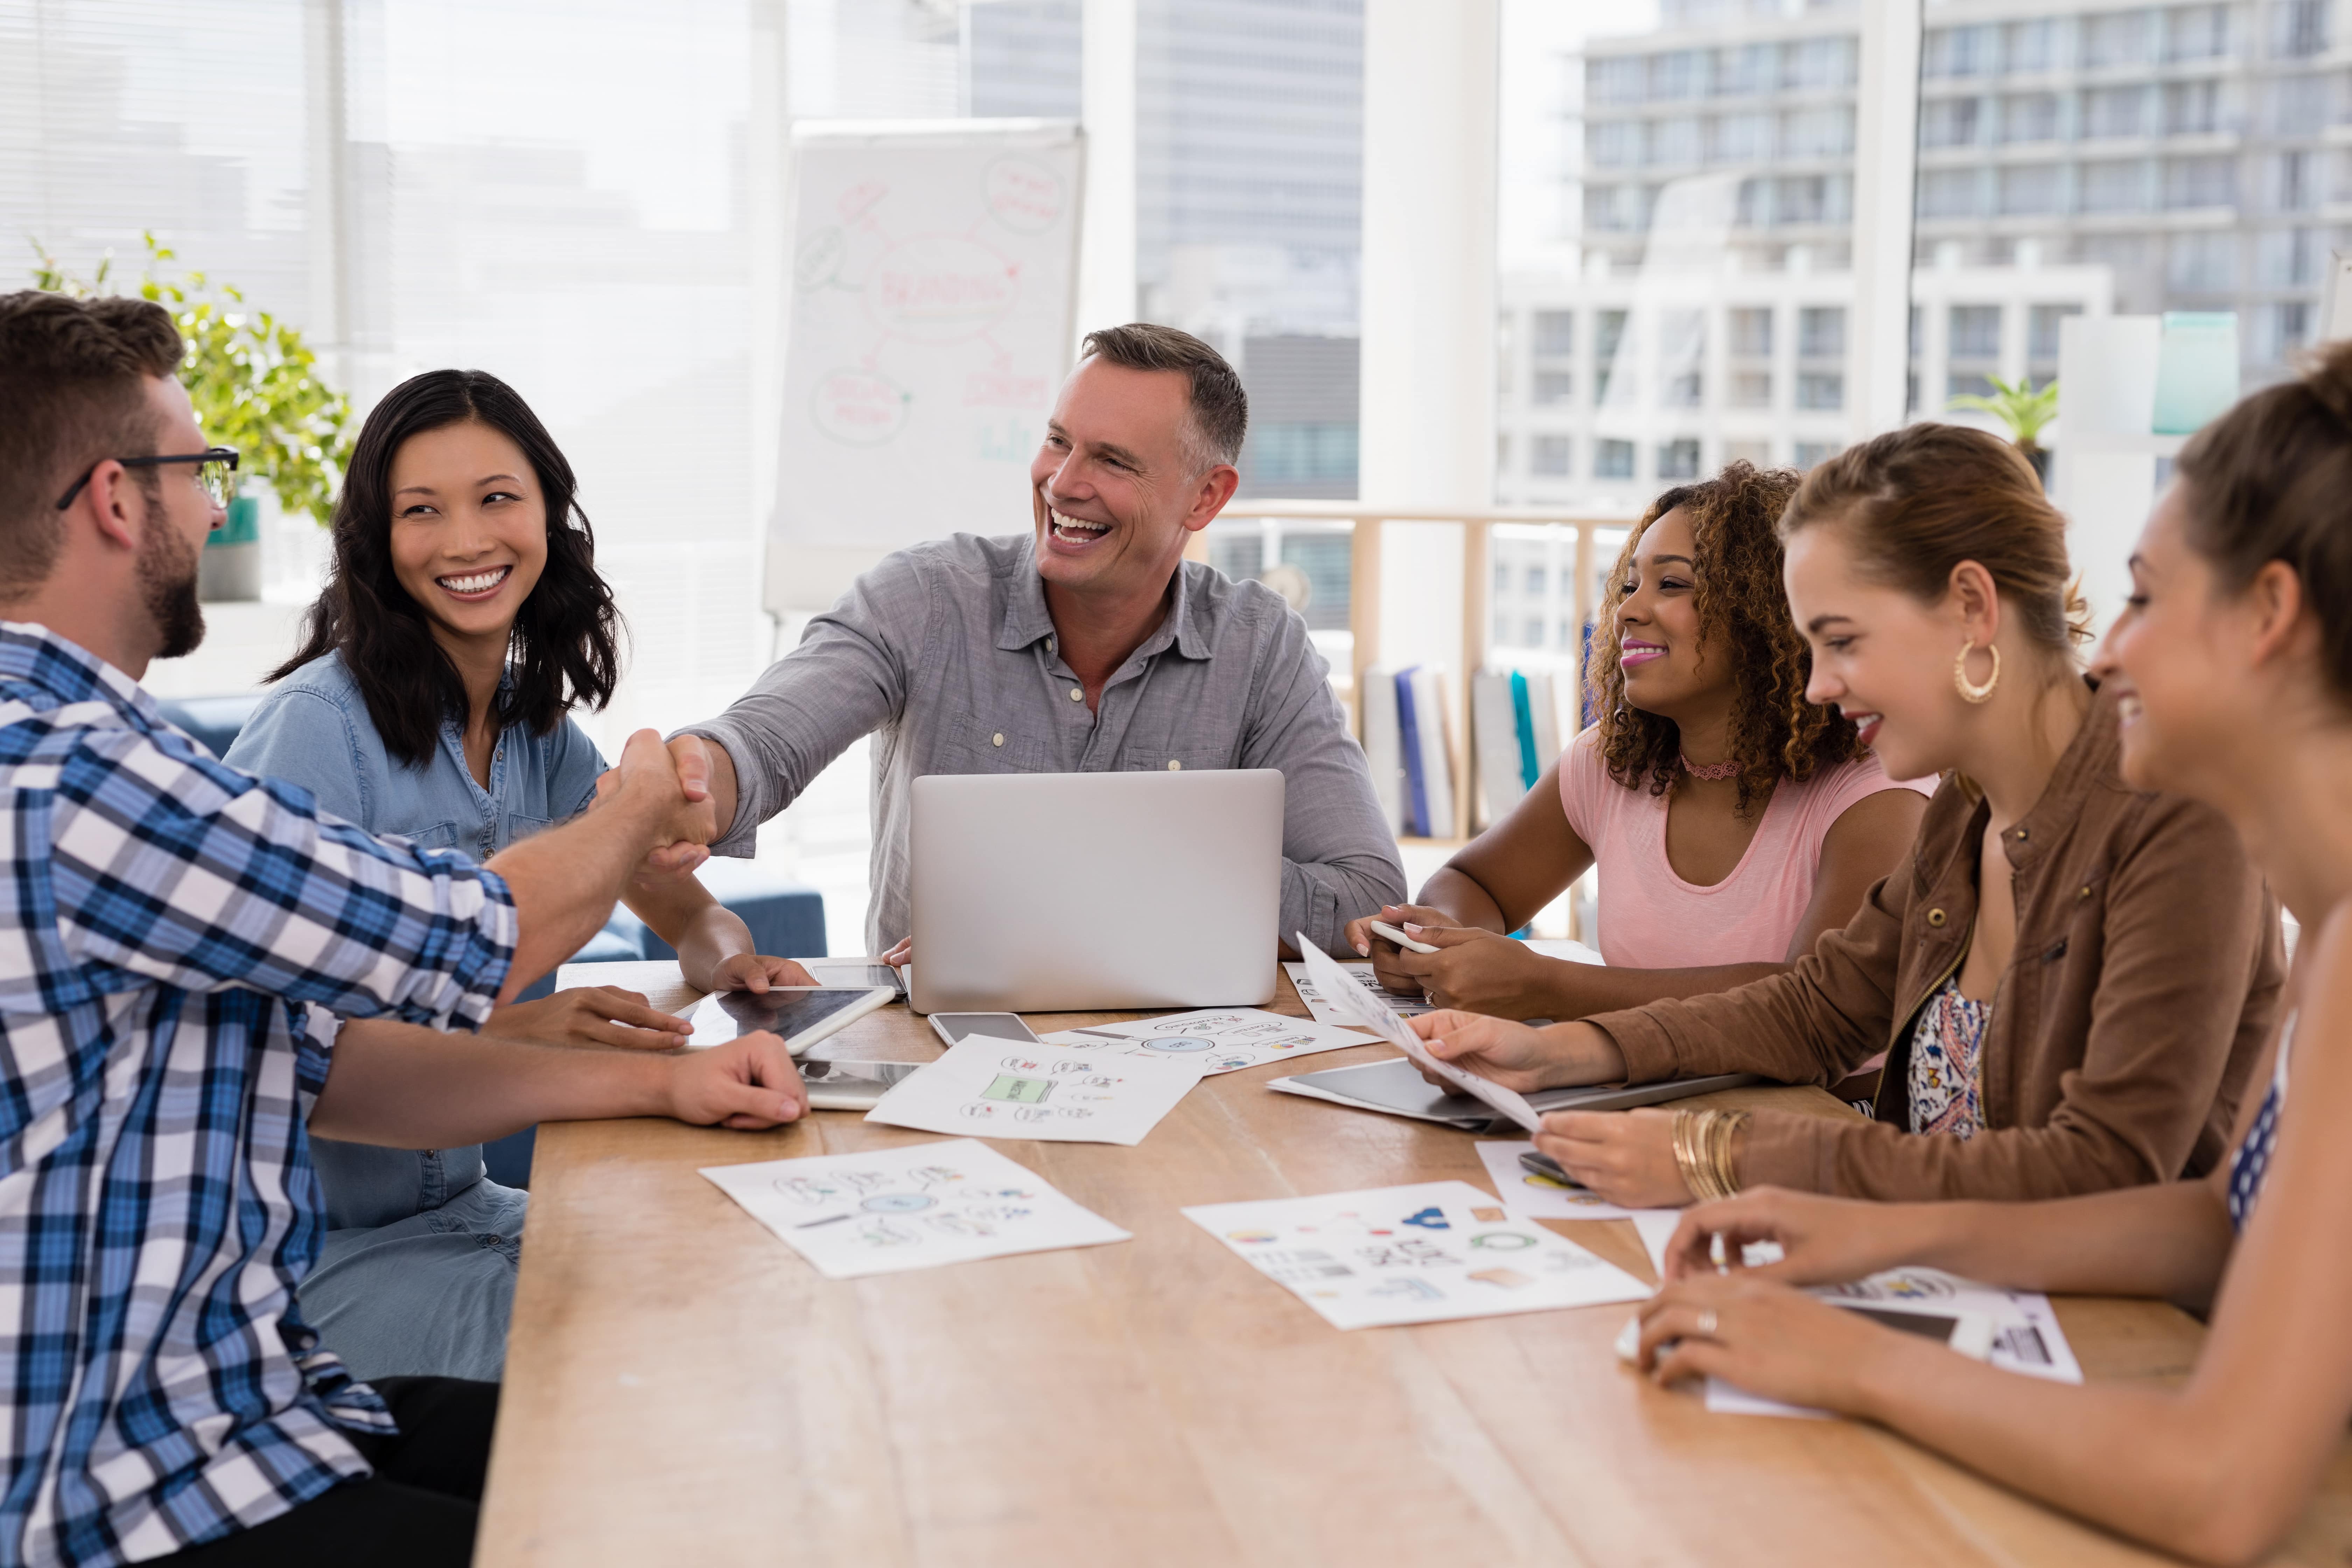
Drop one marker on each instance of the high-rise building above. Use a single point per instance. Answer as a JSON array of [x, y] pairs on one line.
[[2110, 156], [1249, 194]]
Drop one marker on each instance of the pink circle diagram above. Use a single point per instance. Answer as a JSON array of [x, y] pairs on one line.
[[859, 407], [1023, 195], [941, 288]]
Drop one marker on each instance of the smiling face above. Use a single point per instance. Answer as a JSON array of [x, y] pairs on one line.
[[1883, 656], [1666, 665], [468, 528], [1116, 489], [2181, 677]]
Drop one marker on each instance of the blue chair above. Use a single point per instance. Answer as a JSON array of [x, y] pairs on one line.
[[214, 721]]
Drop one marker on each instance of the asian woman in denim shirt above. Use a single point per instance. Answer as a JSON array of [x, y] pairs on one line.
[[463, 618]]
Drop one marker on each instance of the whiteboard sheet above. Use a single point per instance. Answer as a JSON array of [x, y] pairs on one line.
[[1005, 1089], [934, 277], [892, 1210], [1421, 1254], [1221, 1039]]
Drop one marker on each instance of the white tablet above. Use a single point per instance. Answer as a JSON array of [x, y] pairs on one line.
[[802, 1014]]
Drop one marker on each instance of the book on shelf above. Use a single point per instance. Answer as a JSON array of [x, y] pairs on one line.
[[1514, 729], [1383, 744], [1428, 760]]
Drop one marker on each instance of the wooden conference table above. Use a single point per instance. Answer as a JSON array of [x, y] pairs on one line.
[[682, 1388]]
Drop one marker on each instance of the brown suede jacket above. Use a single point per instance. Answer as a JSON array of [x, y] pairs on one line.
[[2148, 969]]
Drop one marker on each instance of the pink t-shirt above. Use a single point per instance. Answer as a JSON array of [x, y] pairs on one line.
[[1652, 918]]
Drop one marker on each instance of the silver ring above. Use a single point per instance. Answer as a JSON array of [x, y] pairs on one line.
[[1707, 1323]]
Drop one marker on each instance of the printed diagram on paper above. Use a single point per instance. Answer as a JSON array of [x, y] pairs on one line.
[[2024, 1329], [1221, 1039], [1002, 1088], [915, 1208], [1329, 1010], [1419, 1254]]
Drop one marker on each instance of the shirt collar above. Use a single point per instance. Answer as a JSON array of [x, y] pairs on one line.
[[34, 654], [1027, 620]]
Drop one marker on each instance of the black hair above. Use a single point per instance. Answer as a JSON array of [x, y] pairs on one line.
[[565, 645]]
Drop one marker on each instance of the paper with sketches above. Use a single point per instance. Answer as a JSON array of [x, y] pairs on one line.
[[1327, 1009], [1221, 1039], [1372, 1012], [1420, 1254], [913, 1207], [2016, 1331], [1539, 1196], [1002, 1088]]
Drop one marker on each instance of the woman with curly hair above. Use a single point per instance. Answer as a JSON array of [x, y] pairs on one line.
[[1733, 821], [2072, 975]]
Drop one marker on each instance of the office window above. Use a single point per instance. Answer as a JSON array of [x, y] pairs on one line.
[[1675, 141], [1751, 389], [2030, 117], [1240, 556], [1950, 193], [1535, 632], [2028, 189], [1555, 332], [1549, 457], [1740, 139], [2114, 38], [1503, 453], [1758, 453], [1613, 459], [1974, 331], [2202, 263], [1821, 331], [1613, 143], [1502, 578], [1817, 133], [1960, 51], [2192, 108], [2299, 28], [1751, 329], [2031, 45], [1809, 453], [1821, 389], [1538, 581], [2115, 188], [2206, 181], [2041, 330], [1678, 459], [1819, 63], [2109, 111], [1553, 386], [2197, 32], [1676, 75], [1949, 121]]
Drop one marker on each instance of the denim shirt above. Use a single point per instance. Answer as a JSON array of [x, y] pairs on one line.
[[313, 730]]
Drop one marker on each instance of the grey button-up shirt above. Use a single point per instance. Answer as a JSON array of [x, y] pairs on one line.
[[948, 651]]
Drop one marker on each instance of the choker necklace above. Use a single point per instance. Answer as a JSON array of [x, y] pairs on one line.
[[1714, 774]]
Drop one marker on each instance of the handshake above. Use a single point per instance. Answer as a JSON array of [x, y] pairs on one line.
[[680, 796]]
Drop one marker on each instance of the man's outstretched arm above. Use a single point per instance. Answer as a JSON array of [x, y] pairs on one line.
[[407, 1087]]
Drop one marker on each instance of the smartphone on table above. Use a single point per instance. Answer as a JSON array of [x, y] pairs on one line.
[[957, 1027]]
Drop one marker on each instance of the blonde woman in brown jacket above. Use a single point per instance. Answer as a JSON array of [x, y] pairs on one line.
[[2234, 671], [2071, 977]]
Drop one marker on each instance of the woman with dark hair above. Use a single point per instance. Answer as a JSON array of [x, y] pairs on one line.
[[463, 619], [2070, 975], [2233, 670], [1733, 822]]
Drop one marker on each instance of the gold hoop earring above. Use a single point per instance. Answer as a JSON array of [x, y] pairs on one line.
[[1970, 693]]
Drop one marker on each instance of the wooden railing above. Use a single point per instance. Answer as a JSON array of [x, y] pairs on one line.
[[1478, 524]]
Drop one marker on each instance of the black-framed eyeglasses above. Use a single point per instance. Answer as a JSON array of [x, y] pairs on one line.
[[214, 467]]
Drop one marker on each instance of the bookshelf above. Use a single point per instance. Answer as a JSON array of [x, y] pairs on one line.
[[1472, 530]]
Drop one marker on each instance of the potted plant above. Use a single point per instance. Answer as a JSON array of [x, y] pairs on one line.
[[2024, 411], [255, 386]]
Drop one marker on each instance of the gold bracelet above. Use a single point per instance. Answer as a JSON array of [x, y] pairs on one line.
[[1694, 1131], [1720, 1164]]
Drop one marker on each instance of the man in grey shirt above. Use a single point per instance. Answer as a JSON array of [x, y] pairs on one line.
[[1090, 646]]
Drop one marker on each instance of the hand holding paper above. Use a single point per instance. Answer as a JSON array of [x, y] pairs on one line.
[[1372, 1013]]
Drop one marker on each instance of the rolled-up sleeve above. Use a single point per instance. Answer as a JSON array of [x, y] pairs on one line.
[[1338, 857], [847, 678], [174, 867]]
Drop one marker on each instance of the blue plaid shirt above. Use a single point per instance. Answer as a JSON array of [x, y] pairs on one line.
[[172, 927]]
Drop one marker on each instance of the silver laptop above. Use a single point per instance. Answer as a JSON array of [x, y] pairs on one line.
[[1069, 893]]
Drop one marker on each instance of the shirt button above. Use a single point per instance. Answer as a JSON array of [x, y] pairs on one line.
[[1077, 694], [2082, 895], [1934, 917], [2021, 836], [997, 739], [1174, 766]]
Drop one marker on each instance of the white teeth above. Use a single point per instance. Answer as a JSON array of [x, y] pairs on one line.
[[1076, 524], [478, 582]]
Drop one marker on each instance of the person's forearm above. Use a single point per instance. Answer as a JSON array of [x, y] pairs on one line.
[[681, 911], [406, 1087], [1579, 990], [1460, 894], [2157, 1465], [2170, 1241], [565, 881], [1357, 884]]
